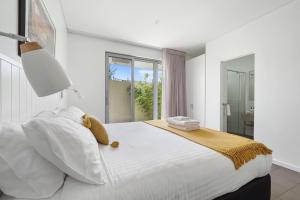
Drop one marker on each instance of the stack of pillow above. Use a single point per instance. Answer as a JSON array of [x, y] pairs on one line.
[[35, 158], [183, 123]]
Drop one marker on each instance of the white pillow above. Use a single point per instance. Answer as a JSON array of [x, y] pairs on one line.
[[46, 114], [72, 113], [68, 145], [23, 172]]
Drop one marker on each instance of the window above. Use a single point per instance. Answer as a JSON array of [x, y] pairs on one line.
[[133, 88]]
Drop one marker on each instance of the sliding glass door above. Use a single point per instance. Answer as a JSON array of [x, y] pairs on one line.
[[133, 88], [119, 89]]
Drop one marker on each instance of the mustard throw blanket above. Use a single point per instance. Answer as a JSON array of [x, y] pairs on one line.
[[240, 150]]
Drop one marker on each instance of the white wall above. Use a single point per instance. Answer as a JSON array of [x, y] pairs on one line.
[[9, 23], [195, 88], [86, 59], [275, 41]]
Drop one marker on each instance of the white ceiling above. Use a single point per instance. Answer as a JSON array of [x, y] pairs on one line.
[[184, 25]]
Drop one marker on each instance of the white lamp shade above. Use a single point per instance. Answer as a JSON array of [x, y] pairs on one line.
[[44, 72]]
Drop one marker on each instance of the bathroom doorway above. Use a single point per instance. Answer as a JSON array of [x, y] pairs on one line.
[[237, 92]]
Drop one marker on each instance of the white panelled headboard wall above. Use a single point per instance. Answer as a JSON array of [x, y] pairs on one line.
[[18, 102]]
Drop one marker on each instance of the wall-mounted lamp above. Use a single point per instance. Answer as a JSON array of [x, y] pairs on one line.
[[42, 70]]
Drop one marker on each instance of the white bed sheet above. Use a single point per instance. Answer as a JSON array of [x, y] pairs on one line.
[[154, 164]]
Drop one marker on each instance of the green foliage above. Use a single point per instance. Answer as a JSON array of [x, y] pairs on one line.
[[144, 96], [159, 98]]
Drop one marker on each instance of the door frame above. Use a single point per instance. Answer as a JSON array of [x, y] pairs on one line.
[[223, 95], [223, 90], [132, 59]]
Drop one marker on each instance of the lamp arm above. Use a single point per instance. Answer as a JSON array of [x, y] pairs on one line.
[[15, 36]]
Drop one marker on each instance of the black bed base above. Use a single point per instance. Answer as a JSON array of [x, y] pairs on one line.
[[257, 189]]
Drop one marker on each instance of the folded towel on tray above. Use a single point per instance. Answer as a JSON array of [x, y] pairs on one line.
[[181, 118], [184, 128], [182, 121]]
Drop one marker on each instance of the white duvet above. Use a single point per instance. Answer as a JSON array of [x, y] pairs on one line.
[[154, 164]]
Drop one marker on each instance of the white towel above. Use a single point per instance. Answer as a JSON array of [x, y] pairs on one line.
[[181, 118], [184, 128], [189, 122], [228, 112]]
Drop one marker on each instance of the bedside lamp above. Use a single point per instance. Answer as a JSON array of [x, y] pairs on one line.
[[42, 70]]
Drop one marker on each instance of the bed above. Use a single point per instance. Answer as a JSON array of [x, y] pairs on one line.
[[152, 163]]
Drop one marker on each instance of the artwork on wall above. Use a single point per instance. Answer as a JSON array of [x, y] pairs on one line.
[[35, 23]]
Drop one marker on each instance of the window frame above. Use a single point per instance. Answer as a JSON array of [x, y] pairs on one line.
[[132, 59]]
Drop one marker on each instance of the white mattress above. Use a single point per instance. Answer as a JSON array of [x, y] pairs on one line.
[[154, 164]]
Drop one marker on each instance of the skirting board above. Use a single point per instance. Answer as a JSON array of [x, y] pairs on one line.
[[286, 165]]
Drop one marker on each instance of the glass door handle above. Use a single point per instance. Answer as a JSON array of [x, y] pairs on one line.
[[226, 107]]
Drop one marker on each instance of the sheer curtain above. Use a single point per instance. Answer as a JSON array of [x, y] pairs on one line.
[[175, 91]]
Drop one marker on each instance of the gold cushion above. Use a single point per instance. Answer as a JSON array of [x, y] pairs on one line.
[[96, 128]]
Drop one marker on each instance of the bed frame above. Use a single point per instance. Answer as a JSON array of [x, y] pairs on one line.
[[257, 189]]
